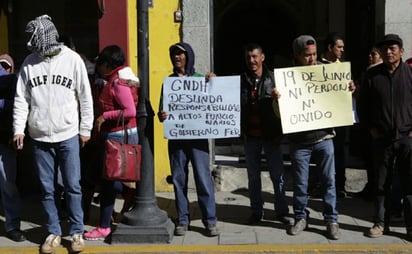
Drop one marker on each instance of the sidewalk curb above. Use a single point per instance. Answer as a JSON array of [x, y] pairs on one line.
[[278, 249]]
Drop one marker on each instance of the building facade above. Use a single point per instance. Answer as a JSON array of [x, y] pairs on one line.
[[217, 30]]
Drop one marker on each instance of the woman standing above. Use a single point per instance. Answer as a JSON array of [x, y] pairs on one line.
[[117, 105]]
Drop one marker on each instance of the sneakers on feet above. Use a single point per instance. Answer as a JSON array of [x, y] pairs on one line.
[[298, 227], [97, 234], [376, 231], [50, 244], [181, 229], [332, 230], [212, 230], [77, 243]]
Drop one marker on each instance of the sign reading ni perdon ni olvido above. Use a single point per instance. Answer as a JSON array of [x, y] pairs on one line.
[[197, 109], [314, 97]]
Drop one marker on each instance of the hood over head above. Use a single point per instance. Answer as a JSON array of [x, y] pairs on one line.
[[190, 56], [43, 36]]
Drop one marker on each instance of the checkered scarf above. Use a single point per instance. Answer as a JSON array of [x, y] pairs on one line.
[[44, 36]]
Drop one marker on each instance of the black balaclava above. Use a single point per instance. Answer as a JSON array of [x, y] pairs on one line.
[[44, 36]]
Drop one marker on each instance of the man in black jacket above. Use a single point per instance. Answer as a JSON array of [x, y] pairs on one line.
[[261, 130], [385, 109]]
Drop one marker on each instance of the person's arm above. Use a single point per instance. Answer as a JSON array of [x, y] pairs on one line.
[[85, 98]]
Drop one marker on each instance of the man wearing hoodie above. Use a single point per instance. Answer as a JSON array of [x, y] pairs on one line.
[[195, 151], [53, 97]]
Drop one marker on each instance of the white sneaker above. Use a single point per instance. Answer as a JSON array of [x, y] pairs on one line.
[[50, 244], [77, 243]]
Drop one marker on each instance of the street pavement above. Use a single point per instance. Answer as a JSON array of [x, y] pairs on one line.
[[236, 236]]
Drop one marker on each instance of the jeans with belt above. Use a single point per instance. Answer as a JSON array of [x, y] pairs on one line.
[[181, 152], [273, 155], [322, 154]]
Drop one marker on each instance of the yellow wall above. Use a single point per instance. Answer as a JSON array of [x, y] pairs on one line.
[[163, 32]]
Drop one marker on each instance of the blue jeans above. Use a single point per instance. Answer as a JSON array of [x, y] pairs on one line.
[[253, 150], [9, 193], [323, 156], [197, 152], [65, 154]]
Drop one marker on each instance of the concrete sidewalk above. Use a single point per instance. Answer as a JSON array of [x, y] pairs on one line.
[[236, 236]]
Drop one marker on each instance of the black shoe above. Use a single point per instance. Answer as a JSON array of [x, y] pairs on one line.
[[16, 235], [298, 227], [212, 230], [254, 219], [285, 219], [181, 229], [332, 230], [341, 194]]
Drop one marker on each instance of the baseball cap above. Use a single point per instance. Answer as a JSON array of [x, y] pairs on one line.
[[302, 42], [390, 39], [177, 46], [5, 59]]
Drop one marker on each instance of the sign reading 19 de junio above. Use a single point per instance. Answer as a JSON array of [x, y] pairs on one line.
[[197, 109], [314, 97]]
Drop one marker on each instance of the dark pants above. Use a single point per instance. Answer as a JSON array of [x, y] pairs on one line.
[[340, 164], [385, 154]]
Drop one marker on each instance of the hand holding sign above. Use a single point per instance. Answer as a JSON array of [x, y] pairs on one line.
[[314, 97]]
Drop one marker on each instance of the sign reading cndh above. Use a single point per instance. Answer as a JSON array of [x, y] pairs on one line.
[[198, 109]]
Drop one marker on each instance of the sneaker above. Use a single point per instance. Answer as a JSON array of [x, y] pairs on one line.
[[97, 234], [376, 231], [77, 243], [181, 229], [212, 230], [50, 244], [299, 226], [254, 219], [332, 230]]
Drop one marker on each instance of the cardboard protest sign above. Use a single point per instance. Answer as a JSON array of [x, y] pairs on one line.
[[198, 109], [314, 97]]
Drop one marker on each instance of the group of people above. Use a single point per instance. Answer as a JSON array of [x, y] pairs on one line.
[[50, 104], [383, 111]]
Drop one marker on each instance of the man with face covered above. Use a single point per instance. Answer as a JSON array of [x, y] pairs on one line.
[[53, 98]]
